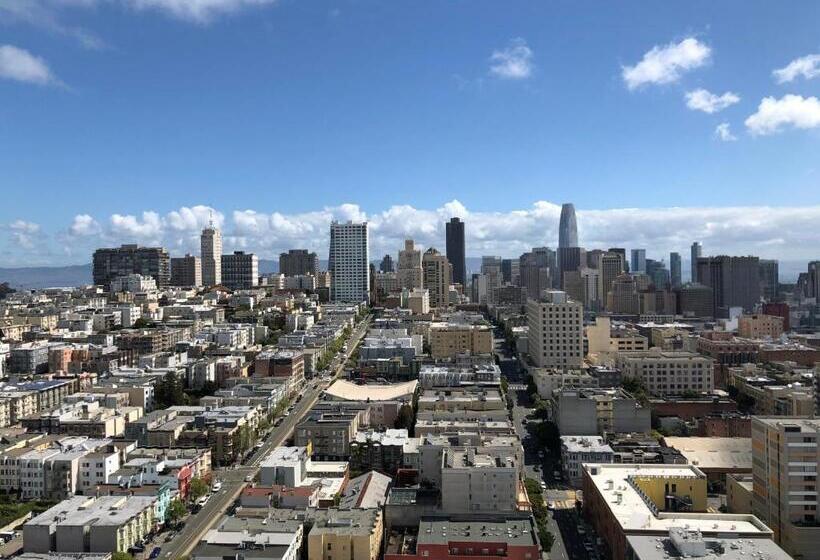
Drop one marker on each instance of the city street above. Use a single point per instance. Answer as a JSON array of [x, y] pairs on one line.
[[234, 478]]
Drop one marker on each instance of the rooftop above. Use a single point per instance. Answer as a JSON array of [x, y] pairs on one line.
[[518, 532], [346, 390], [714, 452]]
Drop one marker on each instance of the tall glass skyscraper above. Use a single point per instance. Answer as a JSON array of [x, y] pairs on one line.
[[568, 227], [456, 250], [675, 269]]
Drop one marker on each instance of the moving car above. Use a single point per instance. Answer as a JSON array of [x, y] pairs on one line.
[[249, 478], [155, 553], [217, 486]]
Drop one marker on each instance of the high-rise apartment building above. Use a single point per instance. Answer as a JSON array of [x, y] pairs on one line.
[[735, 281], [240, 271], [769, 279], [211, 255], [696, 252], [456, 250], [675, 269], [785, 460], [348, 262], [298, 262], [131, 259], [438, 275], [556, 327], [186, 271], [638, 263], [567, 227], [410, 272]]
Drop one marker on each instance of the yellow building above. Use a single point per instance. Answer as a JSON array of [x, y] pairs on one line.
[[447, 340], [759, 326], [354, 534]]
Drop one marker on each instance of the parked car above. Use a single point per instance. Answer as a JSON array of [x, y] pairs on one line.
[[217, 486], [155, 553]]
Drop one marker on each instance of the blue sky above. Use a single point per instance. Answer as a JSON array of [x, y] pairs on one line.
[[296, 108]]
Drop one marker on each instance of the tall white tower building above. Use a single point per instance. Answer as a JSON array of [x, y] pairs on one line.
[[349, 262], [211, 255]]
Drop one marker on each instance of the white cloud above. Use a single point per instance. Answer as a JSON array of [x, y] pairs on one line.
[[514, 62], [665, 64], [44, 14], [706, 101], [806, 66], [128, 226], [790, 110], [24, 233], [22, 66], [198, 11], [723, 132], [84, 226]]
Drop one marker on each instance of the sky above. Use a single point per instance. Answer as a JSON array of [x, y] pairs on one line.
[[139, 120]]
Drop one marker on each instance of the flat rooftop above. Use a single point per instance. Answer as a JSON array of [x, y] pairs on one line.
[[648, 547], [634, 515], [348, 391], [517, 532], [714, 452]]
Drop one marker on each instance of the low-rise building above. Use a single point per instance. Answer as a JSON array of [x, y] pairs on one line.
[[668, 373], [589, 412], [577, 450]]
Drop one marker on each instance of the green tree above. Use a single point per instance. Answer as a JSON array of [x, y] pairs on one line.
[[176, 510], [143, 323], [197, 488], [169, 391], [505, 385], [121, 556], [406, 418]]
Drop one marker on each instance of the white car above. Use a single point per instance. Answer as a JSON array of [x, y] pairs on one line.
[[216, 487]]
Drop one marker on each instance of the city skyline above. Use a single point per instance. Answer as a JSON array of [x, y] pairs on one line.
[[783, 233]]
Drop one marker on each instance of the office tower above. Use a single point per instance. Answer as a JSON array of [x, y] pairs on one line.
[[438, 275], [696, 251], [386, 265], [785, 460], [610, 267], [410, 273], [240, 270], [569, 260], [491, 271], [210, 253], [675, 269], [132, 259], [186, 271], [657, 272], [696, 300], [638, 263], [535, 271], [510, 271], [593, 256], [621, 251], [556, 330], [623, 297], [582, 286], [769, 279], [298, 262], [456, 250], [349, 262], [567, 227], [735, 281]]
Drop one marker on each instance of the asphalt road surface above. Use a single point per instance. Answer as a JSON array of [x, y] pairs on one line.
[[234, 479]]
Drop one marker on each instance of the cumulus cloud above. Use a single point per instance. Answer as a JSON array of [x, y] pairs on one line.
[[24, 233], [665, 64], [514, 62], [84, 226], [807, 67], [723, 132], [22, 66], [773, 115], [708, 102]]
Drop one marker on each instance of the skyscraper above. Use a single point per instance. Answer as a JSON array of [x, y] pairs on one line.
[[410, 273], [675, 269], [638, 260], [769, 279], [535, 271], [697, 251], [438, 275], [610, 267], [211, 255], [386, 265], [456, 250], [349, 262], [735, 281], [568, 227]]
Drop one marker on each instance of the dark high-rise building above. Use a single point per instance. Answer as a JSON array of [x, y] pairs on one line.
[[386, 265], [675, 269], [510, 271], [735, 281], [567, 227], [769, 279], [638, 261], [696, 300], [656, 270], [570, 259], [696, 253], [456, 250], [297, 262], [621, 251], [132, 259]]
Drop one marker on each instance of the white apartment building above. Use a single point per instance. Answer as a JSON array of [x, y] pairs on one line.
[[134, 283], [349, 262], [577, 450], [474, 482], [556, 331], [668, 373], [240, 270], [211, 255]]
